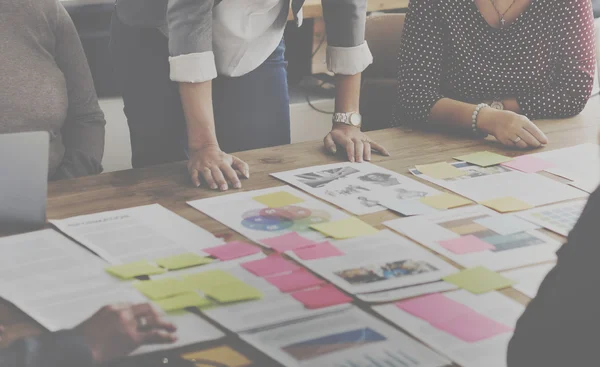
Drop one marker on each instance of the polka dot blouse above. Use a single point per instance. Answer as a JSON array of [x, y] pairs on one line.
[[545, 59]]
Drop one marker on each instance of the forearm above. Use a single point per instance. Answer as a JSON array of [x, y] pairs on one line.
[[196, 99], [452, 114], [347, 98]]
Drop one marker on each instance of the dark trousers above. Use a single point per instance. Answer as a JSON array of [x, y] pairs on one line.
[[251, 111]]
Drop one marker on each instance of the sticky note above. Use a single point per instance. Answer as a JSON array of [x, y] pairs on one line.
[[440, 171], [506, 224], [224, 356], [319, 251], [270, 265], [484, 159], [506, 204], [182, 301], [444, 201], [433, 308], [278, 199], [472, 327], [207, 280], [287, 242], [345, 228], [134, 269], [234, 292], [479, 280], [528, 164], [295, 281], [325, 296], [162, 288], [232, 250], [409, 207], [183, 261], [466, 245]]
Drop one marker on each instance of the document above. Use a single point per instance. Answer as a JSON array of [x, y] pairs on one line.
[[510, 250], [258, 222], [377, 263], [576, 163], [347, 338], [488, 183], [60, 284], [558, 218], [451, 340], [528, 280], [406, 292], [356, 187], [142, 233]]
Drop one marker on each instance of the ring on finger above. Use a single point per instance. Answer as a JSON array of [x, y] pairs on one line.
[[517, 139], [142, 323]]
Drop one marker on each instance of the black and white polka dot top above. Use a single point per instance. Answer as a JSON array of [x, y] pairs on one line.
[[545, 59]]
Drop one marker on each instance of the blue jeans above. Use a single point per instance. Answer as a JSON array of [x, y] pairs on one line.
[[251, 111]]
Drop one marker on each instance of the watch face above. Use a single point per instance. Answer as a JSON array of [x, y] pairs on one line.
[[355, 119], [497, 105]]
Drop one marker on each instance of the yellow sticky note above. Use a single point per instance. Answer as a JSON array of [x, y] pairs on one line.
[[278, 199], [440, 171], [484, 159], [345, 228], [224, 355], [234, 292], [479, 280], [182, 301], [208, 280], [162, 288], [445, 201], [183, 261], [135, 269], [506, 204]]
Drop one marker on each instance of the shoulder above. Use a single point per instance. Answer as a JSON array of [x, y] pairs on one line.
[[34, 13]]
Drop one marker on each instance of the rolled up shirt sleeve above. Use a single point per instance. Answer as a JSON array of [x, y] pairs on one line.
[[347, 51], [190, 40]]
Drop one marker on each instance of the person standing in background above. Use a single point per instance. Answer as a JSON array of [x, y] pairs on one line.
[[216, 70]]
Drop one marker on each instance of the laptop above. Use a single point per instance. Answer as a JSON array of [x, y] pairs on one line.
[[23, 180]]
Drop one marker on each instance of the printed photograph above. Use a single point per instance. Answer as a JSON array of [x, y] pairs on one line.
[[378, 273], [323, 178], [403, 194], [381, 179]]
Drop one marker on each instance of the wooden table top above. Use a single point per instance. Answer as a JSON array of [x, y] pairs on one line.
[[169, 186]]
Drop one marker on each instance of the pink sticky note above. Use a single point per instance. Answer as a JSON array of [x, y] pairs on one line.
[[232, 250], [528, 164], [433, 308], [318, 251], [270, 265], [295, 281], [473, 327], [325, 296], [287, 242], [466, 245]]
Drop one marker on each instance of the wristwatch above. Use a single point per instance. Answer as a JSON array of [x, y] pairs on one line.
[[497, 104], [348, 118]]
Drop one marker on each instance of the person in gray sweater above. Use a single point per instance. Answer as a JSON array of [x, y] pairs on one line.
[[46, 85], [113, 332]]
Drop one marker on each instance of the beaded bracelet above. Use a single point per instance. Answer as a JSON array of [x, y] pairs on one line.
[[478, 133]]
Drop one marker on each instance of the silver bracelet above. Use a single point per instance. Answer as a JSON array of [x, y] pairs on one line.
[[478, 133]]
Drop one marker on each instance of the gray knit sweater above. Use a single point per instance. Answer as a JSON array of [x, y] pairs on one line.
[[46, 84]]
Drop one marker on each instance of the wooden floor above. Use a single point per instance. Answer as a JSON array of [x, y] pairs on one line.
[[169, 185]]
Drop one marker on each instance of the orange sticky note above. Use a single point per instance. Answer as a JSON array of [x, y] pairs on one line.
[[506, 204]]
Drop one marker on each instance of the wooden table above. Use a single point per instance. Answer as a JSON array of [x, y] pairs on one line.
[[169, 186]]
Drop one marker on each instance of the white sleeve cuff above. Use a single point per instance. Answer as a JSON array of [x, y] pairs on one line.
[[193, 68], [349, 60]]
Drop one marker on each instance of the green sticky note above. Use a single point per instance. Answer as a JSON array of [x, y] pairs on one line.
[[479, 280], [234, 292], [135, 269], [208, 280], [440, 171], [345, 228], [484, 159], [183, 261], [278, 199], [162, 288], [182, 301]]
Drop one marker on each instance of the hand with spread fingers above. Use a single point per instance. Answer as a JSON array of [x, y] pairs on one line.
[[218, 169], [115, 331], [357, 144], [511, 129]]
